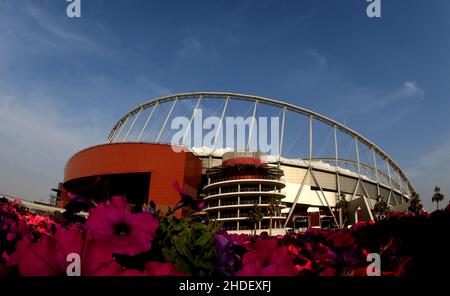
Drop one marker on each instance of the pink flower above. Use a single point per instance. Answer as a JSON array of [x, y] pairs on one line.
[[360, 271], [48, 256], [294, 249], [178, 188], [5, 256], [319, 253], [40, 224], [328, 271], [305, 267], [126, 233], [162, 269], [267, 259], [15, 227], [44, 258], [400, 268], [21, 249], [358, 226], [424, 214], [341, 240], [14, 203], [186, 199]]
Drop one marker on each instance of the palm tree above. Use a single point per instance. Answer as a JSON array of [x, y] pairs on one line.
[[381, 208], [415, 204], [274, 205], [437, 197], [255, 216], [342, 205]]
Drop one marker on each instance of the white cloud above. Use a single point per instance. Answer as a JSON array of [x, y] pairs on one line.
[[320, 59], [152, 88], [409, 91], [190, 45], [400, 101], [41, 31], [411, 88]]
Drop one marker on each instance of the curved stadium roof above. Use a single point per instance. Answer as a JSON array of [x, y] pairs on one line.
[[304, 137]]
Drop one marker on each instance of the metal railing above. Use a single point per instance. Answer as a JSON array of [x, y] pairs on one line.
[[237, 178], [244, 190], [244, 215], [242, 202]]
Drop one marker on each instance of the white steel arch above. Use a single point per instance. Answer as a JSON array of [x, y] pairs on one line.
[[116, 131]]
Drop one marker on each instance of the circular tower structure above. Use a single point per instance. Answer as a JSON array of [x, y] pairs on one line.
[[242, 182]]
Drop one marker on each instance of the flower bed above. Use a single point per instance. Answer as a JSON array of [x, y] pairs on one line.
[[115, 242]]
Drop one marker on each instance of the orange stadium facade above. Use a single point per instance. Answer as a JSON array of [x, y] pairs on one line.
[[143, 171]]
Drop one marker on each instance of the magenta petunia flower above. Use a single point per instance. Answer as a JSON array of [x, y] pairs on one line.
[[43, 258], [125, 233], [328, 271], [186, 199], [15, 228], [341, 240], [48, 256], [306, 267], [162, 269], [267, 259]]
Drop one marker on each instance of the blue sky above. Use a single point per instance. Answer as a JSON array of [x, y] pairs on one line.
[[64, 82]]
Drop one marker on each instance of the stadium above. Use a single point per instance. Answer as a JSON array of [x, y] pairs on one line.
[[238, 152]]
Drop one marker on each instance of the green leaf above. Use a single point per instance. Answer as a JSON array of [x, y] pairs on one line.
[[182, 248], [211, 253], [183, 266], [207, 265], [204, 239], [198, 226], [167, 255], [187, 234]]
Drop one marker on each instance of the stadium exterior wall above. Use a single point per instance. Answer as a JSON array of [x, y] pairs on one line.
[[161, 161]]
